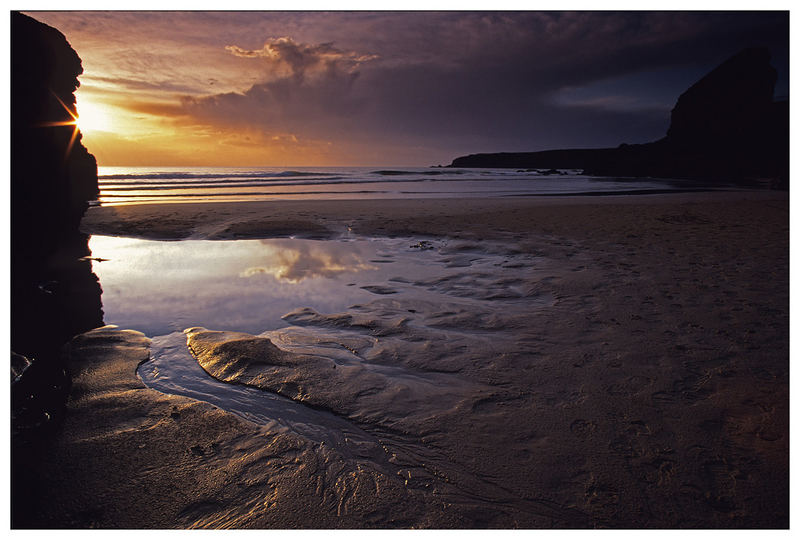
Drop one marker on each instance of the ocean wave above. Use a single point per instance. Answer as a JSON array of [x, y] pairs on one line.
[[203, 175], [213, 194], [107, 183], [230, 183], [432, 172], [160, 185]]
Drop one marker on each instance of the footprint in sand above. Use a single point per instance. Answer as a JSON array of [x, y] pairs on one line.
[[583, 428]]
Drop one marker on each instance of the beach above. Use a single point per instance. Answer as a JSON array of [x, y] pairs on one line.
[[629, 369]]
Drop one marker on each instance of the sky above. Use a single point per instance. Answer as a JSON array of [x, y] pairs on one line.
[[389, 88]]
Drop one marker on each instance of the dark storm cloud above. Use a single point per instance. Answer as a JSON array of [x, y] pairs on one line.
[[312, 95], [461, 79]]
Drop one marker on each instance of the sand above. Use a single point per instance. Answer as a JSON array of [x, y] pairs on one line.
[[651, 390]]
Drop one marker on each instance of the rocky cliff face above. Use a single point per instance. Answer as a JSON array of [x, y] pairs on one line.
[[729, 105], [724, 127], [54, 294], [727, 125], [52, 174]]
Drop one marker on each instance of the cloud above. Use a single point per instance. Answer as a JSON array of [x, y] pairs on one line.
[[651, 90], [118, 84], [287, 58], [426, 84], [289, 104], [309, 89]]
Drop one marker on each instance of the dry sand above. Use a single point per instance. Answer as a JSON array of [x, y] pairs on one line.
[[652, 392]]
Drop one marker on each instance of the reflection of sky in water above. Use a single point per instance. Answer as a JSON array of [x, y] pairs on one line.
[[246, 285], [160, 287], [295, 261]]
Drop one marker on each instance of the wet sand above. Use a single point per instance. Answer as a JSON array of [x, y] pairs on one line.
[[652, 391]]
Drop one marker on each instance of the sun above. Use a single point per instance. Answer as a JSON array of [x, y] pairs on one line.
[[93, 117]]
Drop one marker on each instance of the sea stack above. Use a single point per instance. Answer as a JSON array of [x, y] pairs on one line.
[[727, 124], [725, 127]]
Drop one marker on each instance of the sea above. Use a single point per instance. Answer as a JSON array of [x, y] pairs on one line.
[[138, 185]]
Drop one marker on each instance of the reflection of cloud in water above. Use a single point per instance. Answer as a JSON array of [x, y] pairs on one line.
[[162, 287], [294, 261]]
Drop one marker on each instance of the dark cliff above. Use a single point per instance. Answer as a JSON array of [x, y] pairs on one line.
[[54, 294], [724, 127], [53, 177], [52, 174]]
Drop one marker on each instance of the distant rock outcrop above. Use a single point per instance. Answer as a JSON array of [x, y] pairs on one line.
[[724, 127]]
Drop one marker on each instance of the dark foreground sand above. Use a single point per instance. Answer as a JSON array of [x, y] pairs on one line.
[[652, 391]]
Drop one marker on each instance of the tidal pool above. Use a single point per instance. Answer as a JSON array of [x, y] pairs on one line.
[[160, 287]]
